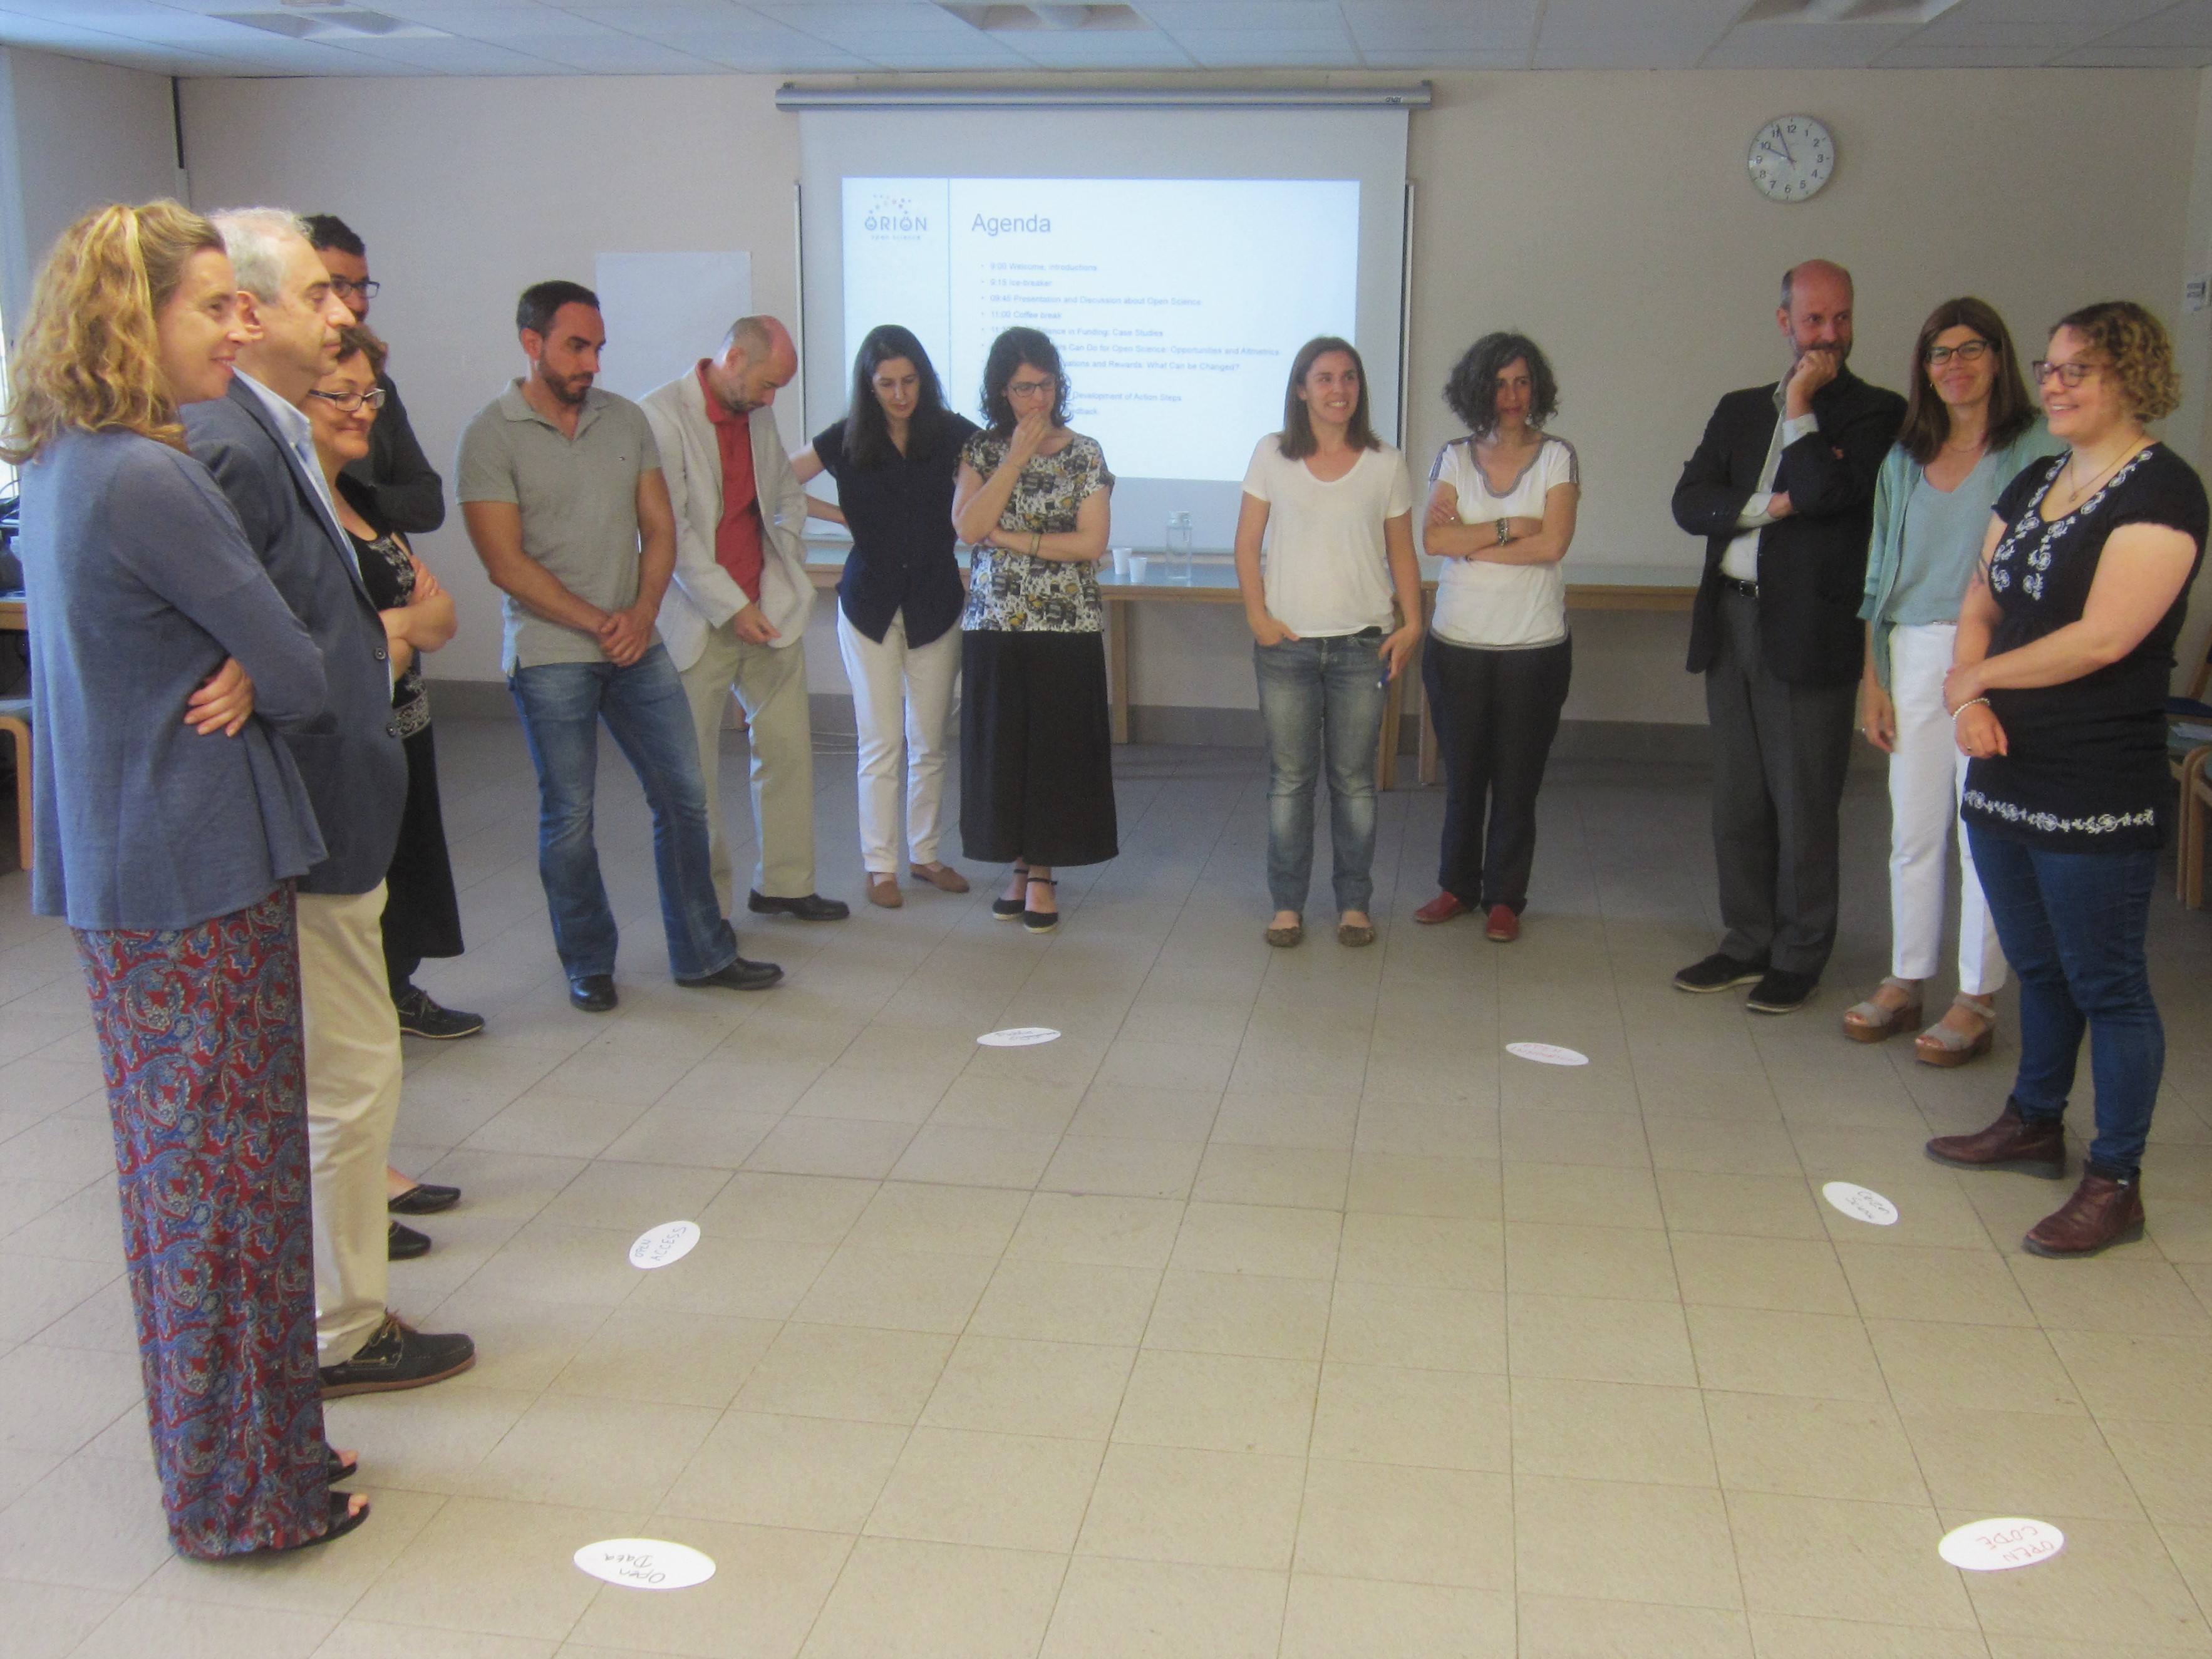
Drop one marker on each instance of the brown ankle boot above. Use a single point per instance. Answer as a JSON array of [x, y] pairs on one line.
[[2010, 1143], [2101, 1211]]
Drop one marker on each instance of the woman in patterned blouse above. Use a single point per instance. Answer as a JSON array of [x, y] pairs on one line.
[[1037, 758], [2057, 693]]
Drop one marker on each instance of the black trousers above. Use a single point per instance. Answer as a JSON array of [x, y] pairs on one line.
[[1780, 754], [1496, 714], [422, 914], [1036, 750]]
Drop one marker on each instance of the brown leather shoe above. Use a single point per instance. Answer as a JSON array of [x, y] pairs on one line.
[[2010, 1143], [943, 877], [1502, 924], [1443, 908], [2102, 1212]]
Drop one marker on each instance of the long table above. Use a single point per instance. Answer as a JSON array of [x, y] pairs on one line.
[[1213, 580]]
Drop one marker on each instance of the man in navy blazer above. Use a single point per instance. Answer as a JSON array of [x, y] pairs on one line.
[[1782, 489], [259, 446]]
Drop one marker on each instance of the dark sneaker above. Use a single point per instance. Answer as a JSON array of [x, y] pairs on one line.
[[807, 907], [419, 1016], [403, 1243], [1718, 972], [740, 976], [593, 992], [1781, 993], [398, 1357]]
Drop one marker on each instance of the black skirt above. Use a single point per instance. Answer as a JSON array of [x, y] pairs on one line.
[[1036, 750], [421, 915]]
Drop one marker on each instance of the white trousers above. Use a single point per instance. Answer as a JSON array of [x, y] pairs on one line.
[[900, 691], [353, 1100], [1926, 775]]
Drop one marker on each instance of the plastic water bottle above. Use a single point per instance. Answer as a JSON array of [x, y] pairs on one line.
[[1178, 548]]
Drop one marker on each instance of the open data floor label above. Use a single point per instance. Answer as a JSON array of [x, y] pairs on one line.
[[1999, 1545], [1860, 1203], [1547, 1053], [651, 1564], [1018, 1036], [671, 1241]]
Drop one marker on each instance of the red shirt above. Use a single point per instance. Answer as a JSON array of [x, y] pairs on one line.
[[738, 537]]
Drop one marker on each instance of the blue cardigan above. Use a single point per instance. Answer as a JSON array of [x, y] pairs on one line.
[[140, 583], [1893, 489]]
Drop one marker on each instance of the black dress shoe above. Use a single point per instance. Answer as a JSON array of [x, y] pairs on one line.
[[1718, 972], [593, 992], [740, 976], [403, 1243], [424, 1199], [1782, 993], [421, 1016], [808, 907], [398, 1357]]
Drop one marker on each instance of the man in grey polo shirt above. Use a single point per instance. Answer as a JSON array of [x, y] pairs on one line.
[[560, 485]]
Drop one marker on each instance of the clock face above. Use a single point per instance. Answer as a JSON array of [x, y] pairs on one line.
[[1792, 158]]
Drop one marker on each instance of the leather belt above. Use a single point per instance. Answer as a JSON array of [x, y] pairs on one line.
[[1737, 585]]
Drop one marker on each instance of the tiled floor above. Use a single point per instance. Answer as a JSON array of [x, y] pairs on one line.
[[1270, 1311]]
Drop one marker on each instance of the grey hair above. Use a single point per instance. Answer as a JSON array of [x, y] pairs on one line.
[[750, 336], [255, 237]]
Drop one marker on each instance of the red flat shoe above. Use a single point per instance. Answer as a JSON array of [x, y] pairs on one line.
[[1443, 908], [1502, 924]]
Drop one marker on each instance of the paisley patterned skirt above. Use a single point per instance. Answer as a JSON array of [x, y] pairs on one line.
[[199, 1038]]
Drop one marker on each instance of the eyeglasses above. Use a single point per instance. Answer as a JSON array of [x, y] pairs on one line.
[[352, 402], [343, 286], [1030, 388], [1969, 351], [2068, 375]]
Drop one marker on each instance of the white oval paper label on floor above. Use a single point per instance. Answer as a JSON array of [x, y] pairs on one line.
[[1018, 1036], [671, 1241], [646, 1564], [1860, 1203], [1547, 1053], [1998, 1545]]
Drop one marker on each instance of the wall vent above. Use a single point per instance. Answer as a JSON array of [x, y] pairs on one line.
[[1041, 15], [1847, 11], [326, 19]]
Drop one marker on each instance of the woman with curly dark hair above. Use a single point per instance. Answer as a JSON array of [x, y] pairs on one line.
[[1501, 516], [2057, 694], [1036, 756]]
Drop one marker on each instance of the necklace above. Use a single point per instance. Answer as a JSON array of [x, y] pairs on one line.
[[2078, 493]]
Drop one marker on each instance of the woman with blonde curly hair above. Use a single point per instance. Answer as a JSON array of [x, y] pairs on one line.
[[169, 825], [2057, 694]]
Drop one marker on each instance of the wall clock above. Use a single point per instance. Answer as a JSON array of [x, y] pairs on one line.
[[1792, 157]]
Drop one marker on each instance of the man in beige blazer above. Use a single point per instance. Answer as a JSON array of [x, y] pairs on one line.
[[735, 618]]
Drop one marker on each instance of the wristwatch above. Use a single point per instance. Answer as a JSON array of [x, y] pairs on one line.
[[1504, 532]]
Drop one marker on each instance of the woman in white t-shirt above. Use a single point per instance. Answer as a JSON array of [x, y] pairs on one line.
[[1501, 514], [1334, 509]]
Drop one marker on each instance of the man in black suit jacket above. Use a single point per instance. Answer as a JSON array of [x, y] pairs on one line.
[[259, 447], [1782, 489]]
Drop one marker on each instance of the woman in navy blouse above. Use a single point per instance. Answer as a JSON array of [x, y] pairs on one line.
[[895, 457], [170, 824]]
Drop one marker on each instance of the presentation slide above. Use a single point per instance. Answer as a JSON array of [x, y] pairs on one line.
[[1177, 304]]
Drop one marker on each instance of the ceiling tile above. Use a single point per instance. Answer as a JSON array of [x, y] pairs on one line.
[[1396, 57], [1659, 15], [1269, 17], [2101, 56], [1913, 55], [2189, 25], [854, 20], [1443, 25], [1805, 46], [1252, 43], [1625, 47], [1097, 49]]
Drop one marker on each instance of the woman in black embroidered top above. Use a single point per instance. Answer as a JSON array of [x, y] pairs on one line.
[[2058, 693]]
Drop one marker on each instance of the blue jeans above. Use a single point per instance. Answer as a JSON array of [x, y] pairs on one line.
[[2073, 926], [561, 705], [1321, 698]]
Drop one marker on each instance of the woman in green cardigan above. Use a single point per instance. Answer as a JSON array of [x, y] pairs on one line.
[[1970, 427]]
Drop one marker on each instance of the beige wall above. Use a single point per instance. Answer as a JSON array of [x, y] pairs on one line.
[[1606, 214]]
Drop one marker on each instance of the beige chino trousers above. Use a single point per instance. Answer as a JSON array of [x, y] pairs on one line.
[[353, 1100], [770, 683]]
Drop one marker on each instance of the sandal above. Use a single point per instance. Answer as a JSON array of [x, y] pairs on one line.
[[1282, 938], [1945, 1045], [343, 1519], [884, 889], [1010, 909], [1872, 1022], [1039, 922], [335, 1466], [1355, 932]]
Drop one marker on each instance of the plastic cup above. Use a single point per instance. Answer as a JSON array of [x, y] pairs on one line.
[[1137, 564], [1122, 562]]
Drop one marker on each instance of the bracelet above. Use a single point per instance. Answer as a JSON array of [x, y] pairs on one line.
[[1504, 532], [1037, 541], [1969, 703]]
